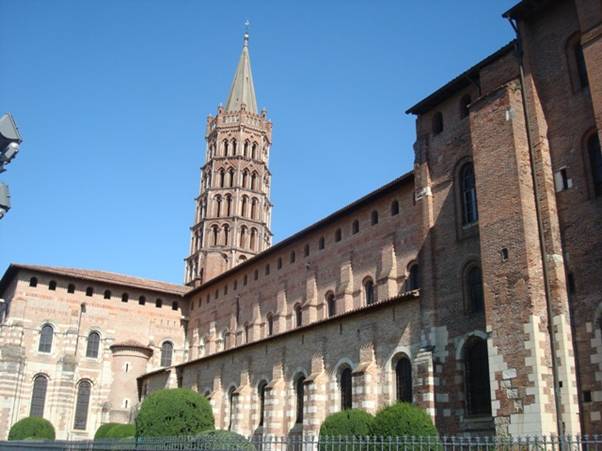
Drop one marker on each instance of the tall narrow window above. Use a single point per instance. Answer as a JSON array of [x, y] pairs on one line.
[[253, 242], [300, 392], [478, 396], [231, 408], [166, 353], [468, 194], [243, 237], [321, 243], [93, 344], [222, 178], [38, 396], [369, 291], [89, 291], [71, 288], [46, 336], [413, 281], [270, 324], [243, 206], [52, 285], [581, 67], [298, 315], [374, 217], [474, 289], [464, 103], [292, 257], [595, 162], [355, 227], [81, 405], [141, 300], [437, 123], [395, 208], [331, 305], [345, 384], [338, 235], [261, 396], [306, 250], [403, 380]]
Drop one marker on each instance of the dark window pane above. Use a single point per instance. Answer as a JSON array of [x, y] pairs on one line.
[[470, 213], [166, 353], [332, 305], [346, 389], [81, 406], [413, 283], [474, 285], [478, 396], [46, 336], [38, 396], [595, 160], [369, 292], [403, 379], [93, 345], [261, 394], [300, 391]]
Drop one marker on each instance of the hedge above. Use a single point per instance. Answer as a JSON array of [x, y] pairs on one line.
[[223, 440], [174, 412], [32, 428], [350, 423], [103, 430], [403, 419]]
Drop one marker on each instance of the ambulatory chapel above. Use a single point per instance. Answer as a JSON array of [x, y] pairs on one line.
[[470, 286]]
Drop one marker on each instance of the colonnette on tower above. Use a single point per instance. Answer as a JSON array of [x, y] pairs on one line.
[[469, 286]]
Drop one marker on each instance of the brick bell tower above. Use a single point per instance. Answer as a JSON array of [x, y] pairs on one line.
[[233, 210]]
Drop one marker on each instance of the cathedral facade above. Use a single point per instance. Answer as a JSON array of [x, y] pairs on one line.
[[470, 286]]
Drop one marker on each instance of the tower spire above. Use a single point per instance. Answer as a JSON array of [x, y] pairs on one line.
[[243, 90]]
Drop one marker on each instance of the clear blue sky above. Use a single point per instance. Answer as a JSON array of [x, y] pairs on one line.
[[111, 98]]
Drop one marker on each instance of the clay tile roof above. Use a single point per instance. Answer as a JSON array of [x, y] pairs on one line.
[[98, 276]]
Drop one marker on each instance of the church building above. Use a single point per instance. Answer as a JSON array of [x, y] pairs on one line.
[[470, 286]]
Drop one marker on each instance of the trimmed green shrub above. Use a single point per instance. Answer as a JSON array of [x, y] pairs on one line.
[[403, 419], [32, 428], [349, 423], [103, 430], [122, 431], [223, 440], [174, 412]]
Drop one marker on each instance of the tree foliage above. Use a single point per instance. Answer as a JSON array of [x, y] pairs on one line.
[[403, 419], [36, 428]]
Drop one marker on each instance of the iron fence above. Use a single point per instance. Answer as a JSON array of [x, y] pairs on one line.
[[310, 443]]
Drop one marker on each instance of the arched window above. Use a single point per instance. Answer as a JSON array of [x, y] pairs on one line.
[[233, 147], [292, 257], [595, 162], [345, 385], [224, 337], [33, 282], [226, 234], [253, 242], [141, 300], [321, 243], [403, 380], [437, 123], [243, 237], [254, 181], [93, 344], [166, 353], [46, 336], [374, 217], [254, 151], [52, 285], [222, 178], [254, 202], [231, 407], [243, 206], [215, 232], [338, 235], [218, 206], [38, 396], [412, 282], [331, 305], [468, 193], [261, 396], [89, 291], [71, 288], [355, 227], [230, 177], [246, 149], [226, 147], [270, 319], [476, 367], [82, 404], [298, 315], [395, 207], [245, 178], [125, 297], [473, 286], [464, 103], [369, 291], [300, 392], [228, 205], [107, 294], [247, 333]]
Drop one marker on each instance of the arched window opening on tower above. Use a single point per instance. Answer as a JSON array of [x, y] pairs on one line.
[[253, 243], [437, 123], [300, 393], [230, 177], [369, 291], [464, 104], [46, 336], [93, 345], [412, 281], [215, 233], [226, 148], [243, 237], [355, 227], [473, 289], [395, 207], [33, 282], [403, 380], [298, 315], [346, 388], [468, 192], [245, 178], [595, 161], [254, 151], [476, 373], [261, 396], [246, 149], [254, 203], [226, 234], [82, 405], [270, 321], [218, 206], [233, 147], [228, 205], [254, 181], [166, 353], [38, 396], [374, 217], [222, 178], [231, 407], [224, 337], [331, 305], [243, 206], [247, 333]]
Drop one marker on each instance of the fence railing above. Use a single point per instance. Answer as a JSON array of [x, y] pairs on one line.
[[310, 443]]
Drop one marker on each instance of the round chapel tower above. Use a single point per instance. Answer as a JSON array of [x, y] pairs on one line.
[[233, 210]]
